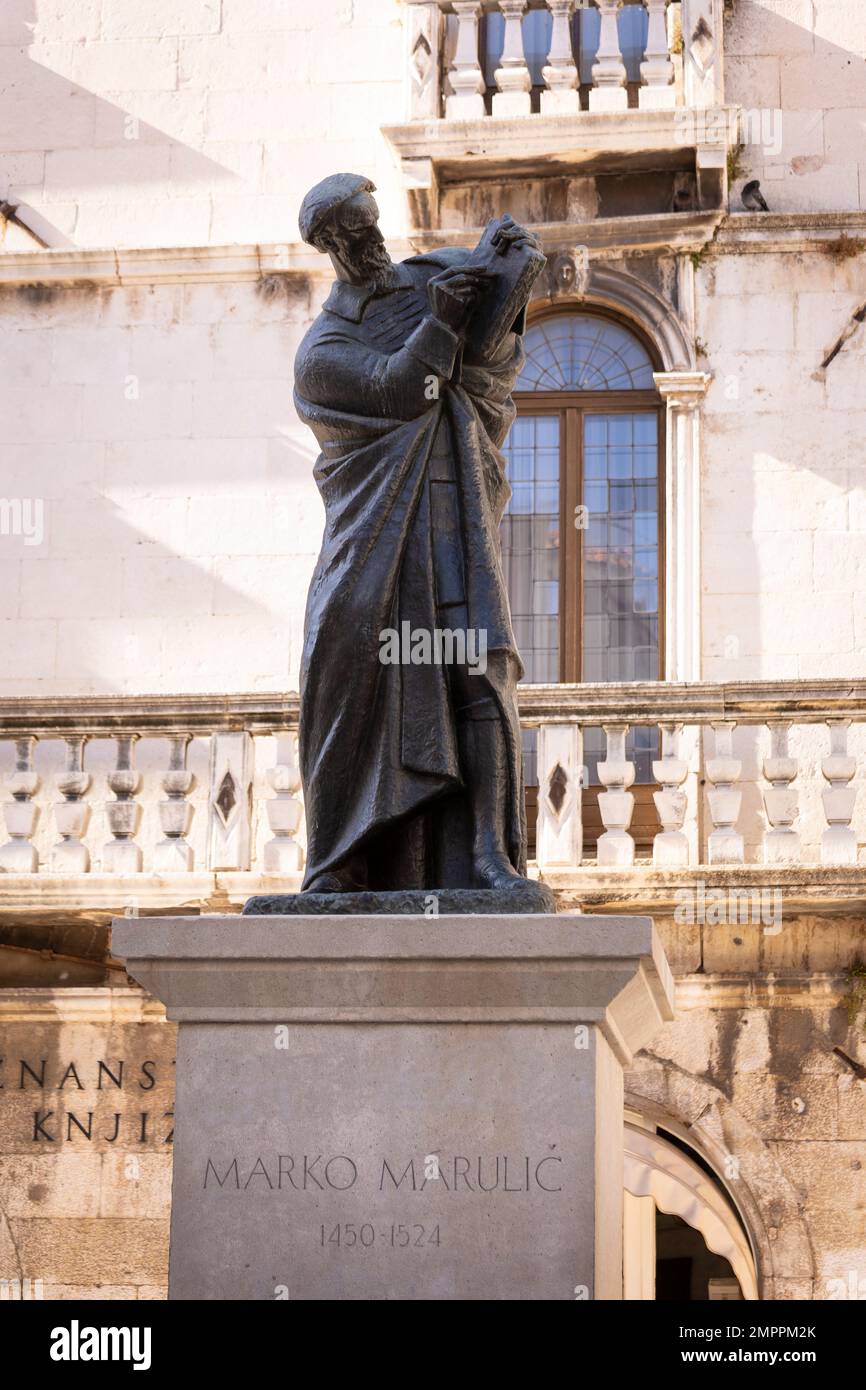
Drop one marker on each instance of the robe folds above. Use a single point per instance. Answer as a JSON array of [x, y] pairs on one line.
[[383, 387]]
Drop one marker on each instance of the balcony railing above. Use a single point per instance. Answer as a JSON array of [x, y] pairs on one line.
[[747, 773], [473, 58]]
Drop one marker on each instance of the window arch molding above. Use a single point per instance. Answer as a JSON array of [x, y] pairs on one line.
[[623, 296]]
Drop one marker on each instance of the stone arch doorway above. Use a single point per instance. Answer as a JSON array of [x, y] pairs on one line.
[[683, 1236], [693, 1111]]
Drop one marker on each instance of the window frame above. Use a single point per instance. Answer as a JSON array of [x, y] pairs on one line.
[[571, 406]]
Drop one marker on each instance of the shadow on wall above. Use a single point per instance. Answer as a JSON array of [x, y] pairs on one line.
[[110, 604], [180, 518], [58, 138]]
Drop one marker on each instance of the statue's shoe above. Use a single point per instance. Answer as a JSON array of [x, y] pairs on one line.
[[497, 871], [335, 883], [326, 883]]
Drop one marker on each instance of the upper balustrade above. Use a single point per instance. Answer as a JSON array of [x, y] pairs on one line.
[[559, 86], [739, 774], [508, 58]]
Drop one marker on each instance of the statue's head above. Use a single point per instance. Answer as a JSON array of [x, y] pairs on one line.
[[340, 217]]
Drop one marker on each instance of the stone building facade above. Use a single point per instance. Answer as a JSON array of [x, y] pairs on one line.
[[159, 524]]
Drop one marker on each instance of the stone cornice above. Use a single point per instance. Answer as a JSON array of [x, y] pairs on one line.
[[814, 889], [146, 714], [162, 265], [611, 236], [105, 1005], [675, 232], [607, 236], [749, 991], [685, 702], [530, 144], [683, 389], [50, 900], [694, 702], [789, 232], [74, 1004]]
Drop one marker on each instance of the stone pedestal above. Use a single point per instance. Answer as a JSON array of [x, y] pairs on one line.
[[390, 1107]]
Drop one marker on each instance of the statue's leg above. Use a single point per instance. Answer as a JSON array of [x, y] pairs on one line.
[[484, 759], [484, 764]]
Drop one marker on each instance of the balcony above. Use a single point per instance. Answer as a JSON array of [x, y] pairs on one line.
[[527, 88], [163, 804]]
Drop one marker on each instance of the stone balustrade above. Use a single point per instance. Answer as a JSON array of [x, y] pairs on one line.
[[557, 59], [706, 732], [167, 785], [164, 761]]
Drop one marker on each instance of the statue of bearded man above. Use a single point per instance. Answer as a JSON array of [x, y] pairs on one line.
[[411, 765]]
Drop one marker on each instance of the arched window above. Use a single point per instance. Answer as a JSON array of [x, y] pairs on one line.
[[583, 352], [582, 538]]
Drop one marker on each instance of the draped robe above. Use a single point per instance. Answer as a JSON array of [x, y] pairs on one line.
[[383, 386]]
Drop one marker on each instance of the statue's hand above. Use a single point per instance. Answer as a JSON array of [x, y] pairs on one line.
[[510, 233], [453, 294]]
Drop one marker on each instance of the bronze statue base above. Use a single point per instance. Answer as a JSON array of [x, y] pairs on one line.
[[528, 897]]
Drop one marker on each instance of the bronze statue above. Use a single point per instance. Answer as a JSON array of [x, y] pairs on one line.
[[410, 743]]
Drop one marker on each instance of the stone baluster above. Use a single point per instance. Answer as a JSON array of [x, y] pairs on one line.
[[608, 71], [18, 855], [671, 845], [559, 833], [72, 814], [560, 73], [424, 42], [702, 24], [229, 830], [781, 841], [122, 855], [466, 101], [839, 840], [616, 803], [512, 75], [725, 844], [283, 854], [657, 70], [172, 854]]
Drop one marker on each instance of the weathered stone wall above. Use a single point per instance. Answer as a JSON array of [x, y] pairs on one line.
[[798, 68], [749, 1068], [786, 1122], [85, 1155], [783, 506], [784, 501]]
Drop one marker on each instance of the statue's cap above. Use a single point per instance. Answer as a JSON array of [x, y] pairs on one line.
[[327, 195]]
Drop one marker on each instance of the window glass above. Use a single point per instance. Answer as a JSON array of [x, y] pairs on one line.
[[583, 352], [530, 543]]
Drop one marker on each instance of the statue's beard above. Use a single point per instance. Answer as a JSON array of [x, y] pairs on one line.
[[373, 264]]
